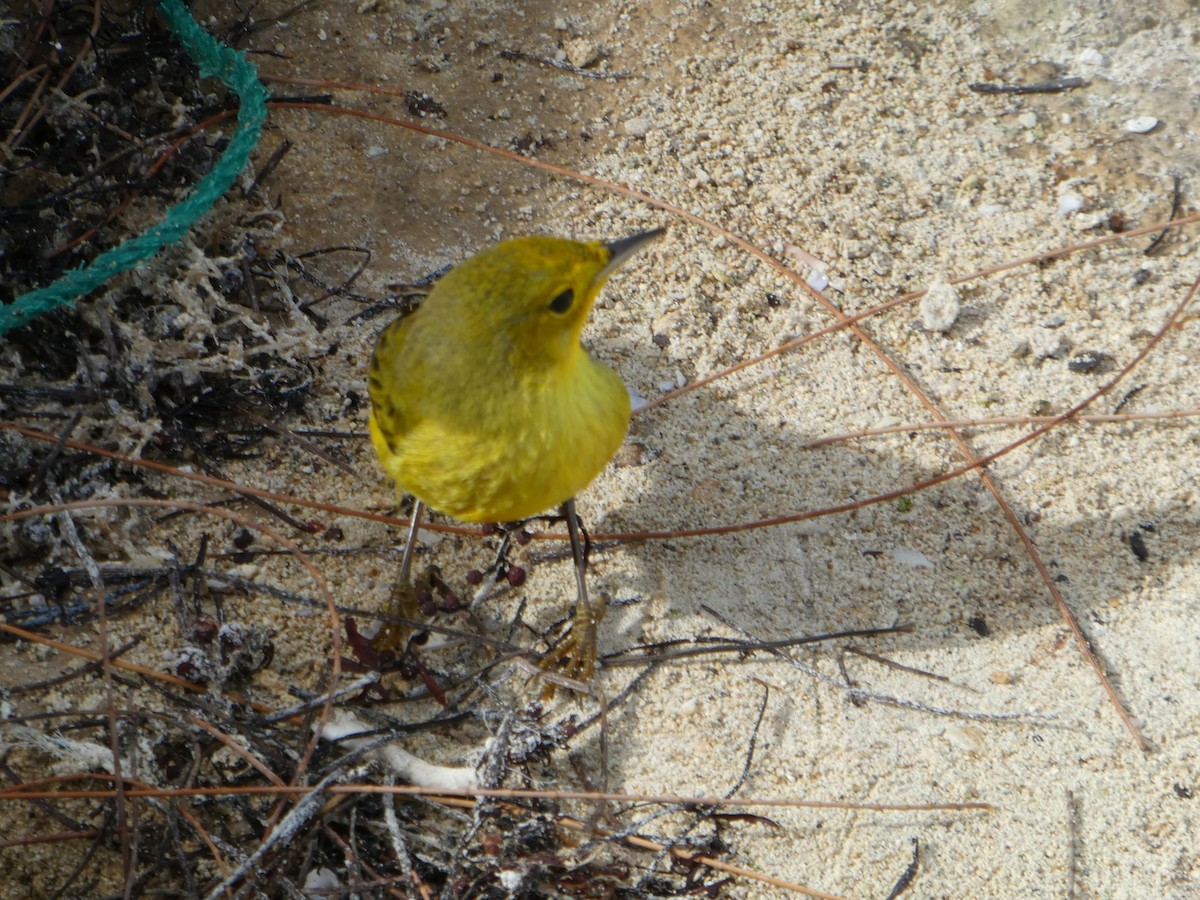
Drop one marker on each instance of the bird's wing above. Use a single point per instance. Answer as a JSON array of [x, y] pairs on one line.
[[384, 381]]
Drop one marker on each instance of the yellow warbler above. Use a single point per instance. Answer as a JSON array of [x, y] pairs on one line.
[[484, 404]]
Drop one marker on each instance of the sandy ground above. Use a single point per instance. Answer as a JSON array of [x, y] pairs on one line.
[[845, 133]]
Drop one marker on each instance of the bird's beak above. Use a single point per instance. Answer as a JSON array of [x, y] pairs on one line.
[[621, 250]]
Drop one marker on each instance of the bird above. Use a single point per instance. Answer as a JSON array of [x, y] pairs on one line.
[[485, 405]]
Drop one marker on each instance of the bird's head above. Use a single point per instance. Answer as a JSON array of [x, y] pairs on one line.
[[533, 294]]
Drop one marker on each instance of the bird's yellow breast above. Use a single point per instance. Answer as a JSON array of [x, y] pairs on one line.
[[484, 405], [554, 441]]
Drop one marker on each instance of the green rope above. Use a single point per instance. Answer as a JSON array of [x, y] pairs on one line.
[[237, 74]]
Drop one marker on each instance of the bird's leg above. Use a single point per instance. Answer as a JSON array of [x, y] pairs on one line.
[[579, 553], [394, 635], [581, 647], [413, 527]]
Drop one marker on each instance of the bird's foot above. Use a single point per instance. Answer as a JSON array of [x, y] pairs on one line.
[[577, 653], [404, 605]]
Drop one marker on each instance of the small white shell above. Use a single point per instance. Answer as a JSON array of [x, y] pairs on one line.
[[817, 280], [1141, 124], [1069, 203], [914, 559], [968, 738]]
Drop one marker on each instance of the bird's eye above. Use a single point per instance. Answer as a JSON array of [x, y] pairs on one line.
[[562, 302]]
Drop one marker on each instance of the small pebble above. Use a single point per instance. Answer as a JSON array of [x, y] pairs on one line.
[[581, 52], [1091, 57], [940, 306], [637, 127], [375, 152], [1141, 124], [1089, 361], [322, 880], [1027, 119]]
